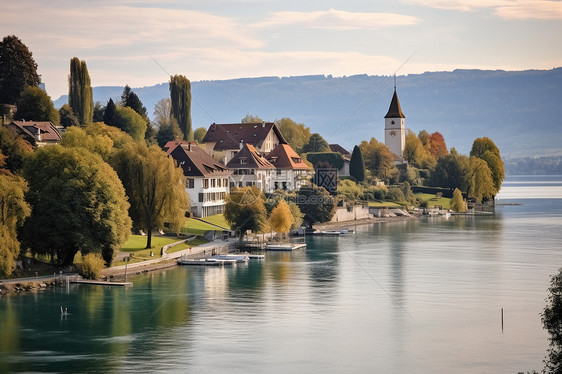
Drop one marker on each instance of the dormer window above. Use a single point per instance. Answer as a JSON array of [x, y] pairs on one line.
[[243, 160]]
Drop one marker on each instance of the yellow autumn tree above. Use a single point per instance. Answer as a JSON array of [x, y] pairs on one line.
[[281, 218], [457, 202]]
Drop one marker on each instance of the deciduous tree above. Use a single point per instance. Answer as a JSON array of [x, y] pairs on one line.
[[316, 204], [378, 159], [15, 149], [316, 143], [36, 105], [487, 150], [457, 202], [130, 121], [199, 134], [281, 220], [480, 183], [80, 96], [245, 210], [451, 172], [155, 187], [180, 95], [67, 117], [296, 134], [78, 204], [13, 212], [416, 154], [249, 118], [18, 69], [437, 146]]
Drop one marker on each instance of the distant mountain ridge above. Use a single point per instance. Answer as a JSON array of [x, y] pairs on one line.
[[520, 110]]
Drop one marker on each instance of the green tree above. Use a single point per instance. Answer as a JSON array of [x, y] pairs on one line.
[[297, 135], [18, 69], [480, 183], [99, 112], [77, 137], [67, 117], [168, 132], [36, 105], [457, 202], [378, 159], [130, 121], [110, 113], [80, 96], [350, 189], [297, 215], [199, 134], [180, 95], [450, 172], [316, 143], [78, 204], [154, 185], [356, 165], [281, 220], [131, 100], [251, 119], [245, 210], [487, 150], [13, 212], [551, 318], [316, 204]]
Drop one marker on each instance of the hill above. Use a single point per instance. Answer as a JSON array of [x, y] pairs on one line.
[[519, 110]]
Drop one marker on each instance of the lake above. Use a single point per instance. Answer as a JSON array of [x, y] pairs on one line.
[[419, 296]]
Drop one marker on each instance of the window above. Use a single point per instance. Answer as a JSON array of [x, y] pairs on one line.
[[205, 183], [231, 184], [189, 183], [200, 197], [276, 186], [278, 171], [243, 160], [213, 182], [219, 182], [248, 184], [284, 185]]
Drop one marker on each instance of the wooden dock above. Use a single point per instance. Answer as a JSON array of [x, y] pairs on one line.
[[284, 247], [101, 283]]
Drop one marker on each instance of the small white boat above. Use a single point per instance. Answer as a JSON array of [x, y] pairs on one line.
[[284, 247]]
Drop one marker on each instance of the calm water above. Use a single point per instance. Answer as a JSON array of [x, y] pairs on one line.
[[402, 297]]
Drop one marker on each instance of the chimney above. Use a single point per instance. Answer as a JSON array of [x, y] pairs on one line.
[[189, 147], [241, 143], [263, 125]]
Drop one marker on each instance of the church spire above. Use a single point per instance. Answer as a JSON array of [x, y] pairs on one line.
[[394, 111]]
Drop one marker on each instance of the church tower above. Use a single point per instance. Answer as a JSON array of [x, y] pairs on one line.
[[394, 127]]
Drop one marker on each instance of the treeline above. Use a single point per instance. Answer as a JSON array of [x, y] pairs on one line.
[[534, 166]]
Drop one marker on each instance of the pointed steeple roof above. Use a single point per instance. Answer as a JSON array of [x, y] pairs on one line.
[[395, 111]]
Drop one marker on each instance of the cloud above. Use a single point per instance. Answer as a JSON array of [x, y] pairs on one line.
[[507, 9], [531, 10], [337, 20]]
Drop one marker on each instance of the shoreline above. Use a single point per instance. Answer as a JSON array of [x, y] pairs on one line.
[[16, 286]]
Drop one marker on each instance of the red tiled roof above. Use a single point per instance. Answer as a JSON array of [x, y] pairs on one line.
[[169, 147], [339, 149], [229, 136], [32, 129], [195, 162], [249, 158], [285, 157]]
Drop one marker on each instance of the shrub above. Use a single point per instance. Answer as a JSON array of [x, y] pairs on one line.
[[91, 266], [395, 194]]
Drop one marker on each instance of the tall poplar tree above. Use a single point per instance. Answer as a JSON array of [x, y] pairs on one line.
[[80, 96], [180, 94]]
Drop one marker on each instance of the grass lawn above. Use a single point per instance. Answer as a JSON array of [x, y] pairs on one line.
[[217, 219], [193, 226], [384, 204], [137, 243], [433, 201]]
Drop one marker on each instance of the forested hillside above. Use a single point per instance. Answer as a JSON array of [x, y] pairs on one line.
[[521, 111]]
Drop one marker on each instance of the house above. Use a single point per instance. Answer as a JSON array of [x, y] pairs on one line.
[[206, 179], [336, 148], [36, 133], [223, 141], [249, 168], [291, 173]]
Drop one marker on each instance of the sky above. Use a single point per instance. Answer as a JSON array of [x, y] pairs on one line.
[[142, 42]]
